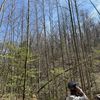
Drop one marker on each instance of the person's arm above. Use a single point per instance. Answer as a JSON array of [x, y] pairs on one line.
[[83, 95]]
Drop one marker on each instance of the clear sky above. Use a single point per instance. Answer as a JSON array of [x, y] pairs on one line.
[[83, 4], [86, 5]]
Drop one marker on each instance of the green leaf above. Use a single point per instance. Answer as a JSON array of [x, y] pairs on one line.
[[57, 70]]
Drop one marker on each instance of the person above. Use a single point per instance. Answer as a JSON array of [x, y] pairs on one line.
[[76, 93]]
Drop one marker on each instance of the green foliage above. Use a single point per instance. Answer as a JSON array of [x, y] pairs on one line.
[[15, 60], [97, 51], [57, 71], [97, 61], [31, 73], [7, 56]]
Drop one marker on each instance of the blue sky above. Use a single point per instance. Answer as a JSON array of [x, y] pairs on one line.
[[86, 5], [83, 4]]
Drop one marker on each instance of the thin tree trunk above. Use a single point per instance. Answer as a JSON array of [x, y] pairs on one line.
[[27, 45]]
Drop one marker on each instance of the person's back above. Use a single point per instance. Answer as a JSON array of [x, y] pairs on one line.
[[76, 92]]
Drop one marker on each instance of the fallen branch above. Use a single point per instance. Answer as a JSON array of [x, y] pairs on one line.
[[60, 74]]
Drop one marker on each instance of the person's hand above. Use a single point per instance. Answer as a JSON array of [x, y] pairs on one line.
[[79, 90]]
